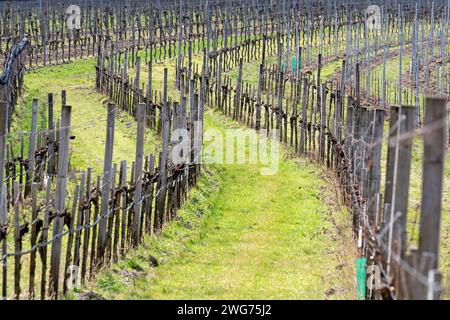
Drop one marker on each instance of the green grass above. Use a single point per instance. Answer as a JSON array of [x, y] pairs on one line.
[[88, 114], [244, 235], [89, 129]]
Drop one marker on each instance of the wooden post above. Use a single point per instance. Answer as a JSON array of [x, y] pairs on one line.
[[123, 183], [374, 164], [357, 145], [161, 187], [106, 182], [357, 86], [3, 199], [87, 231], [67, 268], [180, 39], [31, 149], [140, 115], [366, 135], [432, 187], [96, 197], [45, 227], [304, 122], [258, 98], [116, 216], [433, 166], [279, 108], [63, 166], [237, 101], [151, 171], [317, 105], [323, 99], [394, 116], [33, 239], [17, 240], [338, 116], [194, 137], [110, 215], [149, 81], [219, 84], [137, 81], [63, 97], [397, 182], [78, 220], [51, 166], [110, 85]]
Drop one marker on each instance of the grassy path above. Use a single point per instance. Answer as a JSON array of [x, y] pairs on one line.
[[245, 236]]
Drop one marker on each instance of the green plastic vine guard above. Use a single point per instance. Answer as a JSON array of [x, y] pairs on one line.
[[361, 277], [294, 63]]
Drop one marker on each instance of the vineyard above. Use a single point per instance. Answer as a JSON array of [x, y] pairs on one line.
[[223, 149]]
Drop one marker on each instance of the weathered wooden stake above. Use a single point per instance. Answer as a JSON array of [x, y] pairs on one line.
[[432, 187], [106, 182], [63, 166], [138, 174], [31, 149]]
